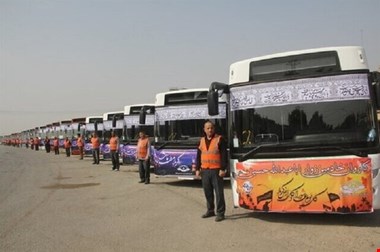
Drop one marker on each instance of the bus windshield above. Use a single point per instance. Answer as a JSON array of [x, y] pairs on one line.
[[183, 125], [333, 117], [133, 127], [186, 132], [107, 134], [133, 132], [348, 123]]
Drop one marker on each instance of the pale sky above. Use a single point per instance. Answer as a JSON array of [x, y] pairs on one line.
[[65, 59]]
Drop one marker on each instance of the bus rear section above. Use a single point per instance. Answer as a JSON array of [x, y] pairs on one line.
[[303, 133]]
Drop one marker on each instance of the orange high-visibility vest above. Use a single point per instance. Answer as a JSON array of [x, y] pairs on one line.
[[210, 158], [80, 142], [56, 142], [95, 142], [67, 144], [113, 143], [142, 148]]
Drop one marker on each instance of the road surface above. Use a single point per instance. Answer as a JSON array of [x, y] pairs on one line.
[[55, 203]]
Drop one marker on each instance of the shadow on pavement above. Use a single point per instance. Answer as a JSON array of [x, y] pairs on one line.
[[357, 220], [180, 183], [186, 183]]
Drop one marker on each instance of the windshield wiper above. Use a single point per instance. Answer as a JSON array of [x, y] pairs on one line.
[[344, 150], [162, 146], [182, 143], [255, 150]]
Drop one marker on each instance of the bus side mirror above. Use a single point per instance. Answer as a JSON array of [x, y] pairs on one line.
[[142, 116], [377, 95], [144, 111], [212, 102], [113, 121], [376, 80], [213, 97]]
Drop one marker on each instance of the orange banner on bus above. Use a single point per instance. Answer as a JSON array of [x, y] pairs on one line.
[[308, 185]]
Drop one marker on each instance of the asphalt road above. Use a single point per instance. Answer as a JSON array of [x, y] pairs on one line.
[[55, 203]]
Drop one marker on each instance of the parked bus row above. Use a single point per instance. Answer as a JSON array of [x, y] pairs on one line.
[[301, 127], [174, 124]]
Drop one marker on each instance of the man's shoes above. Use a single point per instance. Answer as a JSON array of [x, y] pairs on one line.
[[147, 181], [219, 218], [142, 181], [208, 215]]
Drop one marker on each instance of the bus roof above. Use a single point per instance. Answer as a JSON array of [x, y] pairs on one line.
[[106, 115], [185, 90], [128, 109], [79, 120], [350, 58], [160, 97], [89, 118]]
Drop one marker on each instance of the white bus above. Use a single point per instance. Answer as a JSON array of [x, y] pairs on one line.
[[303, 132], [94, 124], [112, 121], [63, 129], [179, 119], [58, 129], [78, 126], [42, 136], [132, 128]]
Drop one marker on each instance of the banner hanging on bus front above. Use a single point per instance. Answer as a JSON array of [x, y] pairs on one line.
[[311, 90], [342, 185]]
